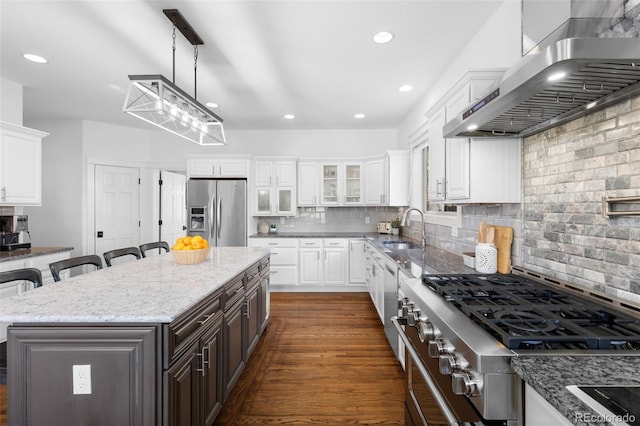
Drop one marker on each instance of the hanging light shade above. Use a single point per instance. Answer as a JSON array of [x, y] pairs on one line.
[[156, 100]]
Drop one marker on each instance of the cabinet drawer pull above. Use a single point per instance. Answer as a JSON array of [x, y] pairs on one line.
[[274, 272], [273, 244], [205, 318]]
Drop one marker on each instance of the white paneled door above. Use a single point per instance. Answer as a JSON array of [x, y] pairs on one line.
[[117, 208], [172, 206]]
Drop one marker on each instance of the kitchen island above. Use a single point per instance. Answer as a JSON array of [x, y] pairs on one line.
[[147, 342]]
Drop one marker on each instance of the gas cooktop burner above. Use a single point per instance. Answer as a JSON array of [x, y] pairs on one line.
[[525, 322], [525, 314]]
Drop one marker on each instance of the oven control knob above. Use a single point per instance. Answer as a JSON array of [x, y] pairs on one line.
[[403, 302], [408, 307], [426, 331], [413, 317], [465, 382], [439, 347], [449, 363]]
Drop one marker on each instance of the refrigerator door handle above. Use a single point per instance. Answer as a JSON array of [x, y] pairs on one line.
[[211, 212], [219, 213]]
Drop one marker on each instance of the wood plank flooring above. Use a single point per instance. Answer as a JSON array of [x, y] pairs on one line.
[[323, 360]]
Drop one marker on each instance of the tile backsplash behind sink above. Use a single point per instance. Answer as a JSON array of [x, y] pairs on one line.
[[334, 219]]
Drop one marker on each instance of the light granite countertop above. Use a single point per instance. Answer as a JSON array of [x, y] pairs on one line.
[[549, 375], [153, 289]]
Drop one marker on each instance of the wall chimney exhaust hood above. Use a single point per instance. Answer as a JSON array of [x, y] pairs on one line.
[[576, 70]]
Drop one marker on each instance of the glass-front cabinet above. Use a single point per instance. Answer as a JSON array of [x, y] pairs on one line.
[[341, 184], [275, 187], [330, 184]]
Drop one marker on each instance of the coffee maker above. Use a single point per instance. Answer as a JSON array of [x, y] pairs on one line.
[[12, 229]]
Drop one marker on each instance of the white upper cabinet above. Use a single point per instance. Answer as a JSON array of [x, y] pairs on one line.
[[437, 176], [21, 165], [341, 183], [463, 170], [275, 187], [218, 167], [375, 178], [308, 183]]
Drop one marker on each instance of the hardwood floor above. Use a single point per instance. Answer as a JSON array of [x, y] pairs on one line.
[[323, 360]]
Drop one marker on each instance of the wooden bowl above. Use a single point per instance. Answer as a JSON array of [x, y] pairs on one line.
[[190, 257]]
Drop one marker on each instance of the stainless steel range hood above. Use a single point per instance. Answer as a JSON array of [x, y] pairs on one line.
[[591, 70]]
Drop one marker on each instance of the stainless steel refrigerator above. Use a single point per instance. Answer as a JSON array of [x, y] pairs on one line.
[[217, 211]]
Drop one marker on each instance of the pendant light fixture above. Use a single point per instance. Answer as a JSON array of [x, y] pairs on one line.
[[158, 101]]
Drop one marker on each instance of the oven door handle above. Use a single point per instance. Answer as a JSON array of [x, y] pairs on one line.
[[440, 401]]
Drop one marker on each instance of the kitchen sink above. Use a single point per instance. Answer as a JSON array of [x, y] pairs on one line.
[[401, 245]]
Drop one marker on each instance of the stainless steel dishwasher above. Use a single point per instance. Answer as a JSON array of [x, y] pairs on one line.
[[390, 302]]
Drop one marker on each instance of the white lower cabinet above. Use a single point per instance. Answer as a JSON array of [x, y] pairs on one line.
[[314, 264], [311, 263], [374, 275], [356, 262], [283, 269], [18, 287], [323, 262], [335, 262]]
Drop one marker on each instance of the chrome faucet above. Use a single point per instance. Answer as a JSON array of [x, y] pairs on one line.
[[404, 220]]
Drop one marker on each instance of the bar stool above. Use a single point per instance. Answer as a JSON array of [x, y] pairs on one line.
[[154, 245], [61, 265], [27, 274], [111, 254]]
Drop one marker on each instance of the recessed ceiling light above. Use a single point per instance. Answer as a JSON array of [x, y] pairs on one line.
[[212, 105], [35, 58], [383, 37], [406, 88], [591, 105], [359, 116], [289, 116], [557, 76], [472, 127]]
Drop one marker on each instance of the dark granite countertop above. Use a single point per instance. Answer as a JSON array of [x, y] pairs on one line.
[[33, 251], [549, 375]]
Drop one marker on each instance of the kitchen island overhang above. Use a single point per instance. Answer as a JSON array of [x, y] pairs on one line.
[[158, 337]]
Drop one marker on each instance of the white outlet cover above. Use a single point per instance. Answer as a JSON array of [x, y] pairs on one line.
[[82, 379]]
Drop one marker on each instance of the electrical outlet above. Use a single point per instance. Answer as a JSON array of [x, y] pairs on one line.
[[366, 220], [282, 220], [82, 379]]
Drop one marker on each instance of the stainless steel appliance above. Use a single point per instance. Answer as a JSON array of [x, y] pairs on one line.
[[217, 211], [12, 229], [581, 67], [461, 332]]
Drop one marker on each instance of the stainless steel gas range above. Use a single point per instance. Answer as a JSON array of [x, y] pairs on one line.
[[461, 331]]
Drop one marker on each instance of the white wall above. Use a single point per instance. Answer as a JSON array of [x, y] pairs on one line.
[[496, 45], [59, 220], [10, 101], [298, 143], [63, 217]]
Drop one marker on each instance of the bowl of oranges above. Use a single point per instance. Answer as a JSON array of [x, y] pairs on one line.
[[190, 250]]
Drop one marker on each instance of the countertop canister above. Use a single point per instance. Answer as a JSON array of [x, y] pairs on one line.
[[486, 258]]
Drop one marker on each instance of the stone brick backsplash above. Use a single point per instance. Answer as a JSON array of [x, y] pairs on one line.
[[567, 170], [494, 214]]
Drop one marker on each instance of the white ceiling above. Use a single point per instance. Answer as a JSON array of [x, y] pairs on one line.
[[260, 59]]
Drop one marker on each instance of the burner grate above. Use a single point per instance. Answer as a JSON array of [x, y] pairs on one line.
[[524, 314]]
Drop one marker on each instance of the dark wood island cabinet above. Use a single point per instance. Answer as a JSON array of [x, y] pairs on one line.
[[172, 366]]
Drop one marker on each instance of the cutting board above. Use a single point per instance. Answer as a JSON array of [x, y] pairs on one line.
[[503, 237]]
